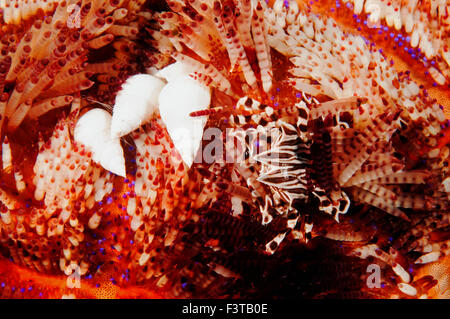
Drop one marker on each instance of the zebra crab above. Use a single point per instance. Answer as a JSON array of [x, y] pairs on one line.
[[290, 161]]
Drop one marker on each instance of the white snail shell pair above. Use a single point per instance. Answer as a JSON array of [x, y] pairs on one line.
[[142, 96]]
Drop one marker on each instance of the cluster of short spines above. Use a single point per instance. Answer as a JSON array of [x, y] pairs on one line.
[[16, 11], [63, 193], [44, 59], [426, 23], [224, 38], [161, 198]]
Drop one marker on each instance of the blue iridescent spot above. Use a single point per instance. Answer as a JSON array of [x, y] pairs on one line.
[[3, 285]]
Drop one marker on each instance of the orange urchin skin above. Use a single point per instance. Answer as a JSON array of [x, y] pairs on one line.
[[100, 286], [48, 286], [440, 271]]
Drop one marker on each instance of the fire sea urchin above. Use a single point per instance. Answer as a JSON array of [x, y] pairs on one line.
[[211, 149]]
